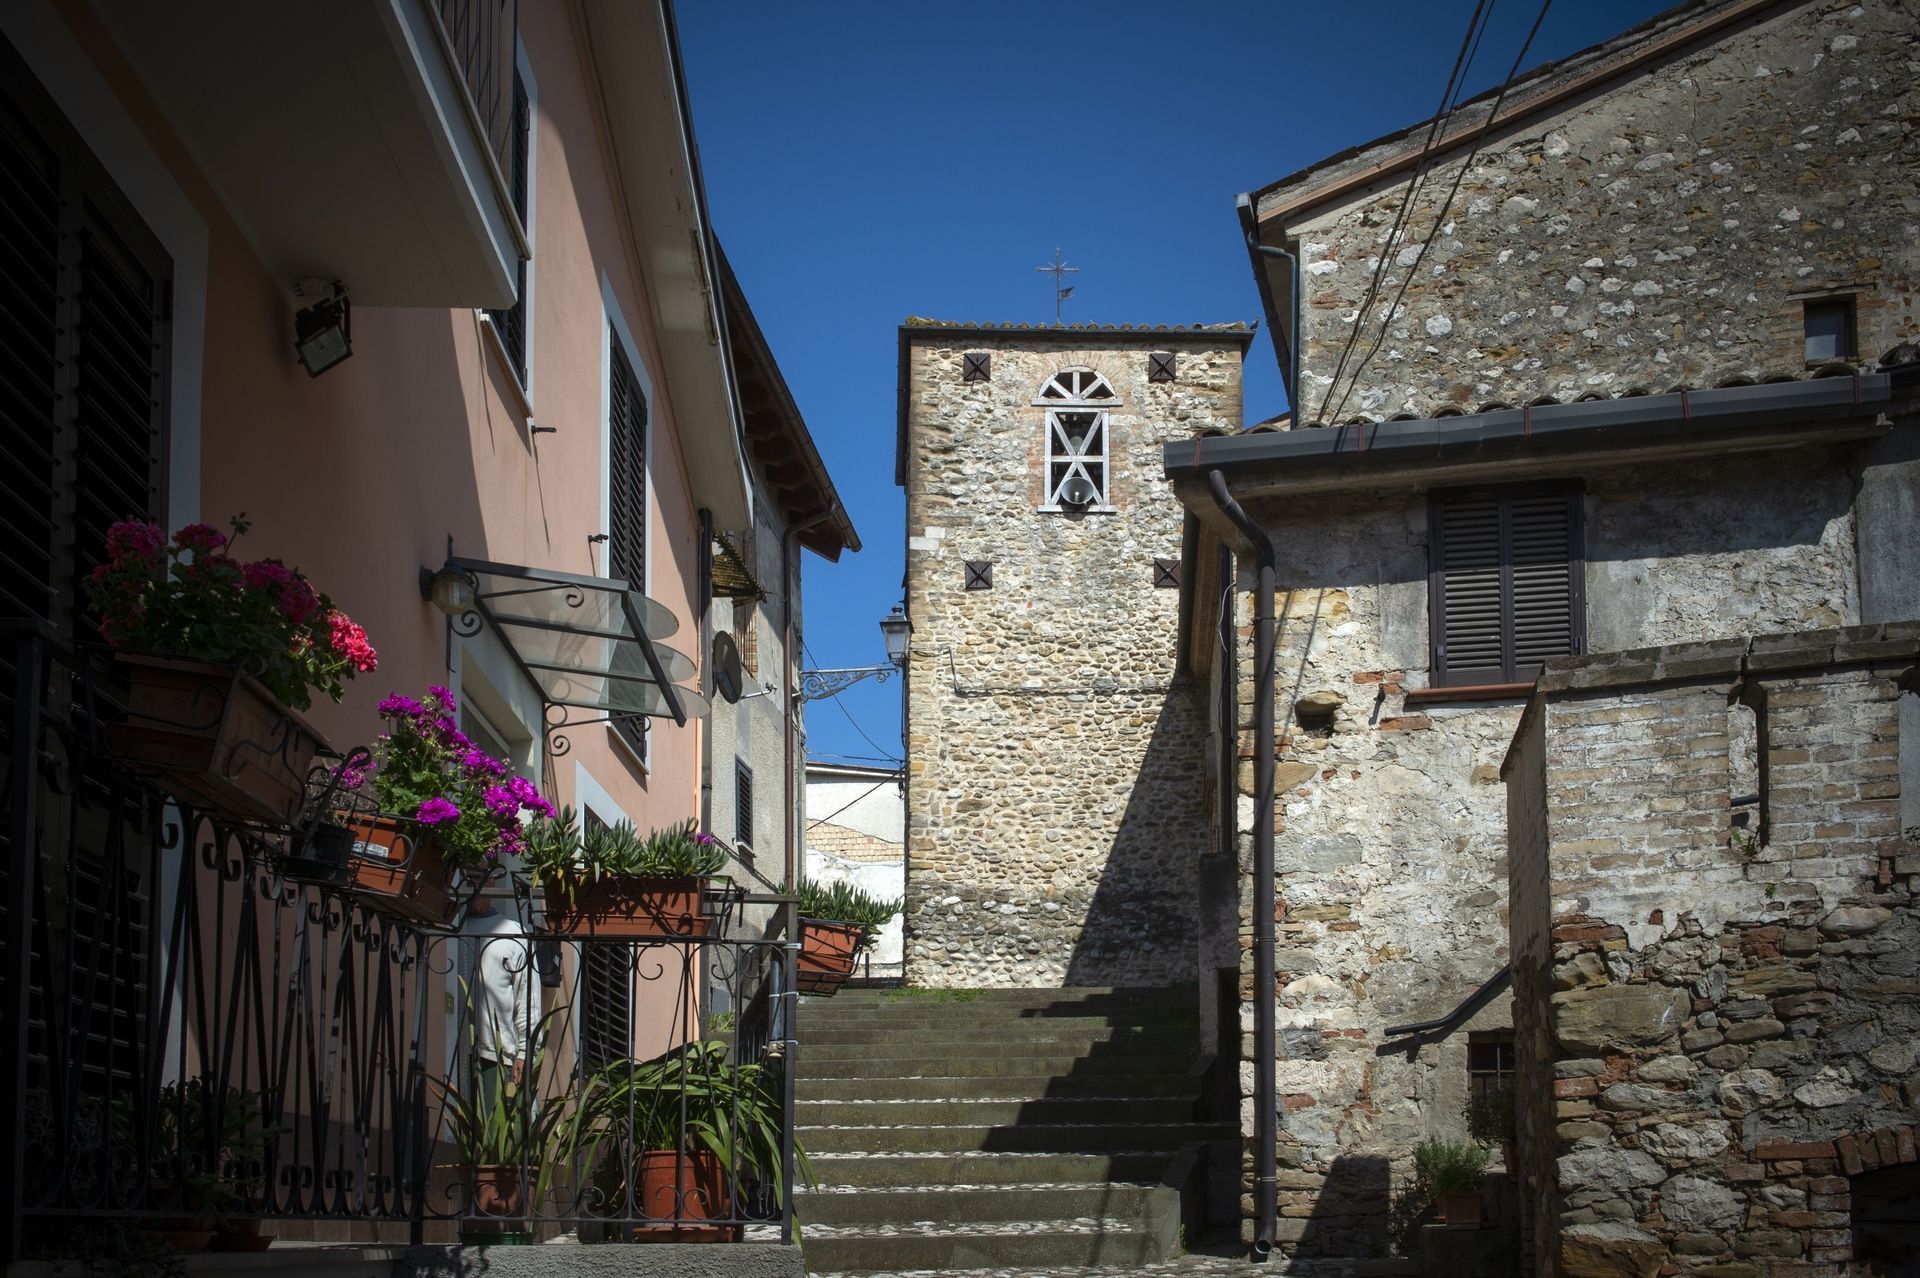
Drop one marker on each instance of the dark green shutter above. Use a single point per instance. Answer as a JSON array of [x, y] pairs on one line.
[[1505, 584]]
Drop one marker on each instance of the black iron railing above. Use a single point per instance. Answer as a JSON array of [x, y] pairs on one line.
[[202, 1044], [480, 36]]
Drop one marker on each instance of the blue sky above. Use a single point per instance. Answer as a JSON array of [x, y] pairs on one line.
[[867, 161]]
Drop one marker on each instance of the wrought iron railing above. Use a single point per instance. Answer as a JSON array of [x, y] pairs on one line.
[[480, 36], [203, 1044]]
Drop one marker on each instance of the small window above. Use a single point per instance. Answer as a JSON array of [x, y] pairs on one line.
[[1829, 330], [1077, 401], [1505, 586], [1489, 1062], [742, 803], [606, 990]]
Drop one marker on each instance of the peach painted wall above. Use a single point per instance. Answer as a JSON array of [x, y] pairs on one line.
[[361, 475]]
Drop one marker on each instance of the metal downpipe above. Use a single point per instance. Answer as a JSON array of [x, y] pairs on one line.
[[1265, 1115]]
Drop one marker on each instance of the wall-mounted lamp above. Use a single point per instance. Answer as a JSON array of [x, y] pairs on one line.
[[323, 332], [450, 590], [895, 630]]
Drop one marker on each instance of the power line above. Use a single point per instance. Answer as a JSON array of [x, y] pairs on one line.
[[835, 698], [1468, 44], [1440, 218], [886, 780]]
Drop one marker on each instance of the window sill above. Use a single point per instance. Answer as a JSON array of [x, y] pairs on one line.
[[1088, 510], [497, 349], [1470, 692]]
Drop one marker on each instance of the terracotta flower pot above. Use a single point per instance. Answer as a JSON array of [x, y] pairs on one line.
[[827, 952], [213, 737], [399, 869], [680, 1194], [1461, 1210], [658, 909]]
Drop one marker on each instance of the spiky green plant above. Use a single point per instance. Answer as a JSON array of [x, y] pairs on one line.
[[840, 902], [522, 1123]]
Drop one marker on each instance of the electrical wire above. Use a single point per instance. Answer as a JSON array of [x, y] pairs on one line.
[[1468, 45], [1440, 218], [886, 780], [835, 698]]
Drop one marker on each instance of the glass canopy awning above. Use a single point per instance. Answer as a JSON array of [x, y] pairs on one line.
[[588, 643]]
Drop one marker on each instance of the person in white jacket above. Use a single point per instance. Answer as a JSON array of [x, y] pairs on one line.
[[502, 994]]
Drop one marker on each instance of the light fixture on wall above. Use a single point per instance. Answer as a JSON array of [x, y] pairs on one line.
[[323, 330], [450, 590], [895, 629]]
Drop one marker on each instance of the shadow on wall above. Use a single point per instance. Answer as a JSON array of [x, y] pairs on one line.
[[1140, 920], [1349, 1215]]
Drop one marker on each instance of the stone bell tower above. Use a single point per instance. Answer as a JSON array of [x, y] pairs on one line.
[[1056, 793]]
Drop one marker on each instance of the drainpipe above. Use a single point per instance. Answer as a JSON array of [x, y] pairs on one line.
[[789, 553], [704, 561], [1251, 226], [1266, 1131]]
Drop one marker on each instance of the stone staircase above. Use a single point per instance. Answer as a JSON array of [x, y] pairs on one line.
[[998, 1129]]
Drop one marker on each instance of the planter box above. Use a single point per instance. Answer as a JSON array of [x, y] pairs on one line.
[[398, 869], [1462, 1210], [214, 738], [827, 952], [654, 909], [682, 1193], [326, 858]]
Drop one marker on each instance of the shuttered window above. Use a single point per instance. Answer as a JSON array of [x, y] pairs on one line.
[[511, 323], [742, 803], [1505, 583], [83, 359], [627, 504], [606, 993]]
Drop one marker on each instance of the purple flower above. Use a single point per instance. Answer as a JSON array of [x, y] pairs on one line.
[[441, 695], [397, 705], [703, 838], [501, 802], [352, 779], [480, 761], [437, 812]]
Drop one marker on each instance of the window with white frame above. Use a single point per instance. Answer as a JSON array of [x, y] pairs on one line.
[[1077, 401]]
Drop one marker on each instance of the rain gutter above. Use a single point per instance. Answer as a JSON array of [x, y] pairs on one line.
[[1289, 332], [1265, 1014]]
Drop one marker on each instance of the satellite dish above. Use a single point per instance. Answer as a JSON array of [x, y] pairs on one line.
[[726, 668], [1078, 491]]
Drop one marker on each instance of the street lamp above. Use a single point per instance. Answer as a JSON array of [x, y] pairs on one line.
[[894, 630]]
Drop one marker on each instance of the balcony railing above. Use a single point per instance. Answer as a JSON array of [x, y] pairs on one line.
[[480, 35], [200, 1043]]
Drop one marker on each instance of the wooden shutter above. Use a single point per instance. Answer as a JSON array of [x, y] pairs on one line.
[[627, 500], [742, 803], [1505, 584]]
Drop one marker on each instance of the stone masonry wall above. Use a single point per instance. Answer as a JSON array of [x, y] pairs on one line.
[[1735, 1015], [1662, 230], [1391, 839], [1056, 788]]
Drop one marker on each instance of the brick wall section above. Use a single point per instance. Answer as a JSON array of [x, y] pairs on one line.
[[1734, 1022], [1662, 230], [1056, 788]]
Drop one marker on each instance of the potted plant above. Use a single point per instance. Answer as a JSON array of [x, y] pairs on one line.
[[510, 1135], [210, 1146], [220, 656], [676, 1132], [448, 812], [1452, 1172], [611, 881], [837, 922]]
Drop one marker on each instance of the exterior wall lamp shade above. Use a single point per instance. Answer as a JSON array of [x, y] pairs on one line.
[[323, 333], [895, 629], [449, 590]]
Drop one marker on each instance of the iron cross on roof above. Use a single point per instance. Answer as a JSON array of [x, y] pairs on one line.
[[1057, 268]]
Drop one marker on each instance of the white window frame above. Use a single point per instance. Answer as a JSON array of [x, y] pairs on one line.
[[1077, 390], [613, 321]]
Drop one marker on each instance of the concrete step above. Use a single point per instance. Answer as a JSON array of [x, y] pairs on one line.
[[1079, 997], [913, 1170], [1063, 1138], [1038, 1056], [988, 1034], [995, 1112], [963, 1017], [963, 1206], [1016, 1245], [1012, 1087]]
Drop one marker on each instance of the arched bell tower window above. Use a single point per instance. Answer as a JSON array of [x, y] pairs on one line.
[[1077, 476]]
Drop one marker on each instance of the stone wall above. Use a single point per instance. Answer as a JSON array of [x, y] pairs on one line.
[[1056, 791], [1391, 843], [1733, 1027], [1664, 229]]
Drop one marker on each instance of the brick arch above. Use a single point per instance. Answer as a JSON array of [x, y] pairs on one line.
[[1832, 1164], [1855, 1152]]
